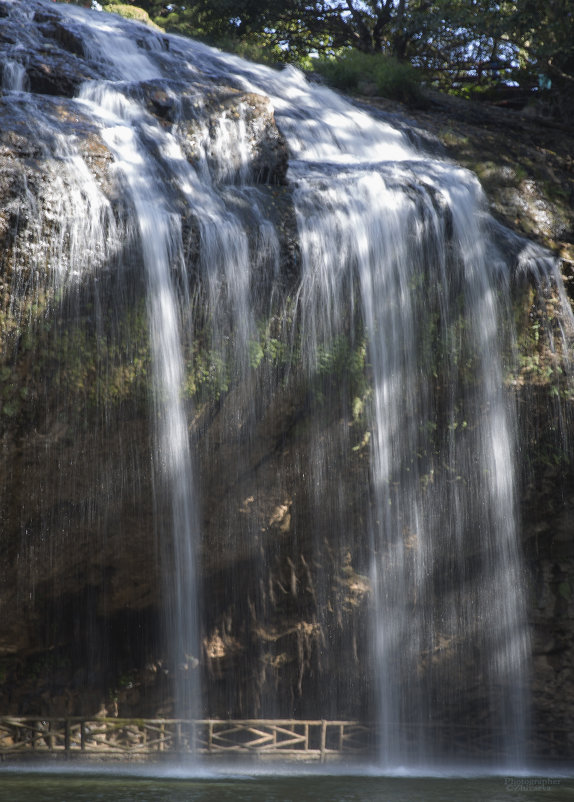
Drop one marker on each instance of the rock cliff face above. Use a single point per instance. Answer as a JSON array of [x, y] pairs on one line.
[[284, 575], [81, 584]]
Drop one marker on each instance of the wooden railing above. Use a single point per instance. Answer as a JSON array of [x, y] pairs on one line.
[[132, 738]]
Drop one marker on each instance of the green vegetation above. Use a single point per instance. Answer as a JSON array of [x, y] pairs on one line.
[[207, 375], [86, 372], [520, 51], [371, 73], [129, 12]]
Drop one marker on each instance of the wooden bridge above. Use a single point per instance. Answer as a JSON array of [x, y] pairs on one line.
[[130, 739]]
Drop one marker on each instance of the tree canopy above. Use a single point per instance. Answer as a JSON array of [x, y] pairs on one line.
[[466, 46]]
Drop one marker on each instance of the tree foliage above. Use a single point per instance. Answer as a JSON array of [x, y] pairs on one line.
[[466, 46], [543, 33]]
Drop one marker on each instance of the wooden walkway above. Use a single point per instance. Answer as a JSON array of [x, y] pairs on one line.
[[132, 739]]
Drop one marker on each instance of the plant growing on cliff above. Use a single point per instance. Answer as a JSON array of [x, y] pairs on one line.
[[372, 73]]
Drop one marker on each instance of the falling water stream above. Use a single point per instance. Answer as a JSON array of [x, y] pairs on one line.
[[395, 247]]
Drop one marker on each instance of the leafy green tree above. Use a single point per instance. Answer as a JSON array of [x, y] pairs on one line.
[[543, 33], [466, 46], [525, 43], [211, 20], [371, 26]]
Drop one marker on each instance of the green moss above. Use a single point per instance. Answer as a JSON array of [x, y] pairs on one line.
[[79, 367], [539, 345], [10, 409], [256, 353], [130, 12]]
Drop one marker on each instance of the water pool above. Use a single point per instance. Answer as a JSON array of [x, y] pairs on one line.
[[82, 785]]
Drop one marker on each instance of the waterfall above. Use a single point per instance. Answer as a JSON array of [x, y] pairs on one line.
[[446, 570], [13, 77], [127, 131], [364, 295]]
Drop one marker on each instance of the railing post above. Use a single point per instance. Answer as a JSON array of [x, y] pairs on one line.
[[210, 736], [306, 734], [67, 737], [323, 740]]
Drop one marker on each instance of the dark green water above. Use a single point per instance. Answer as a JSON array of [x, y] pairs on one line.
[[25, 786]]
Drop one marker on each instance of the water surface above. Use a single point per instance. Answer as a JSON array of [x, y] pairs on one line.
[[79, 786]]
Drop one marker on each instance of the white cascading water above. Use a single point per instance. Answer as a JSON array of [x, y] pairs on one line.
[[426, 528], [14, 77], [142, 149], [125, 129], [160, 237], [361, 230], [399, 241]]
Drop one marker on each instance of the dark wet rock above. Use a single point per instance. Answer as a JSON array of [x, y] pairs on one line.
[[53, 29]]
